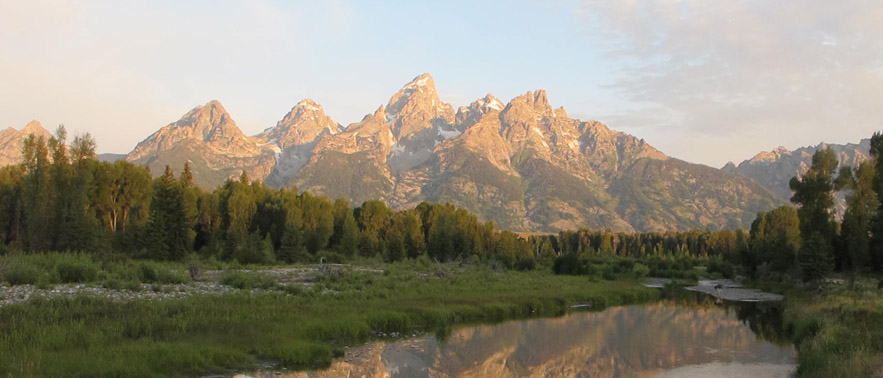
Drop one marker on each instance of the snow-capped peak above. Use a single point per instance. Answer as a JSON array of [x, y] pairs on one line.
[[308, 104]]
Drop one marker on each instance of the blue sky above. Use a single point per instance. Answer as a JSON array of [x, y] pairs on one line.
[[705, 81]]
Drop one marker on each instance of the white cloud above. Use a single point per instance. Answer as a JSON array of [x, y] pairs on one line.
[[758, 73]]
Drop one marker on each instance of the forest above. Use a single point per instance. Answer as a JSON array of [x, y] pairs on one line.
[[61, 198]]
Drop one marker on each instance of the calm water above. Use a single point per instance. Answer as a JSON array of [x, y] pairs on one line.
[[691, 336]]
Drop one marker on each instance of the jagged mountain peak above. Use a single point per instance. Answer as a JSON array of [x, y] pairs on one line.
[[470, 115], [304, 123], [489, 102], [34, 127], [416, 107], [208, 122], [207, 128], [537, 100], [770, 156]]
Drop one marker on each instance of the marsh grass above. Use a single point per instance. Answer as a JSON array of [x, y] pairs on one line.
[[838, 333], [248, 280], [305, 328]]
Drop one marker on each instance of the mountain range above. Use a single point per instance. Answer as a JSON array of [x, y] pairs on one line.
[[523, 164]]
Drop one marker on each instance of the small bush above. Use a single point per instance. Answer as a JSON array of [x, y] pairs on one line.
[[21, 273], [116, 283], [246, 281], [43, 282], [526, 263], [294, 289], [154, 272], [77, 271], [724, 268], [640, 270]]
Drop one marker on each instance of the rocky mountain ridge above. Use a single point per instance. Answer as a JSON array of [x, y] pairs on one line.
[[775, 168], [523, 164]]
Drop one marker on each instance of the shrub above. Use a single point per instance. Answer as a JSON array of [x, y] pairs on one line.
[[255, 251], [21, 273], [77, 271], [569, 263], [724, 268], [526, 263], [245, 280], [640, 270], [154, 272]]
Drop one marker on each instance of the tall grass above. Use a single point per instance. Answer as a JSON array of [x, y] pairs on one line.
[[838, 333], [199, 335]]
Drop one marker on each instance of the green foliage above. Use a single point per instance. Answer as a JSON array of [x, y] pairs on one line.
[[254, 250], [640, 270], [160, 273], [814, 194], [775, 240], [247, 281], [20, 273], [724, 268], [816, 257], [837, 334], [77, 271]]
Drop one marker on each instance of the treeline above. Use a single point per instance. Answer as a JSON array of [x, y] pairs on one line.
[[806, 241], [61, 198]]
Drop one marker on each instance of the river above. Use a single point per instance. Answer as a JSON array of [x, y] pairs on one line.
[[692, 335]]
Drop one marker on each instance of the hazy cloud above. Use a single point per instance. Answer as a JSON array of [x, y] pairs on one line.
[[746, 72]]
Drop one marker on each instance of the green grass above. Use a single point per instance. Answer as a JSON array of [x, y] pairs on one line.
[[248, 281], [95, 337], [838, 333]]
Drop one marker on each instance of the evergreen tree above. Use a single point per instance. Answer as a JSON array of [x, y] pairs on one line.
[[876, 245], [862, 205], [292, 248], [348, 241], [775, 240], [318, 222], [814, 194], [38, 206], [167, 232]]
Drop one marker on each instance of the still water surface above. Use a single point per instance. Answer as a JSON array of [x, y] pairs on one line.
[[692, 336]]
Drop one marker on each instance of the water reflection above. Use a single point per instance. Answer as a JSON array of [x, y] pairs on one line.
[[683, 335]]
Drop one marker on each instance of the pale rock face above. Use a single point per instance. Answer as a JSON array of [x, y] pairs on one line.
[[468, 116], [294, 137], [209, 138], [419, 120], [416, 107], [12, 141], [302, 125], [483, 138]]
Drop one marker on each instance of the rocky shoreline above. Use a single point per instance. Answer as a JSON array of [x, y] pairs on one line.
[[733, 291], [723, 289]]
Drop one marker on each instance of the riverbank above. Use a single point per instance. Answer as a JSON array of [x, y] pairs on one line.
[[838, 332], [295, 326]]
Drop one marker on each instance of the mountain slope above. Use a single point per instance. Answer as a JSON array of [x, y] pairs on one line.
[[774, 169], [209, 139]]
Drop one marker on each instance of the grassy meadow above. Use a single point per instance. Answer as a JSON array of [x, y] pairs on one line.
[[294, 326]]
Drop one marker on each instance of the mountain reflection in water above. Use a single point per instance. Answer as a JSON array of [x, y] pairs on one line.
[[692, 337]]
